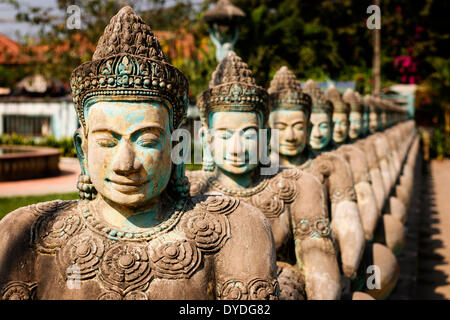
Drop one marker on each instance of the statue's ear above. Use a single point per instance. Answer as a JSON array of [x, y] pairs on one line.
[[78, 139], [208, 160]]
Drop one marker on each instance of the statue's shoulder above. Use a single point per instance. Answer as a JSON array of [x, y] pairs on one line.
[[198, 182], [22, 219], [237, 215], [323, 165], [18, 229]]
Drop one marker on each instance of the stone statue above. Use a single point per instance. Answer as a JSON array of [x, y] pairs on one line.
[[341, 112], [233, 111], [356, 115], [335, 173], [356, 158], [136, 233]]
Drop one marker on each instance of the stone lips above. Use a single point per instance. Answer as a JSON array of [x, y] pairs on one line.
[[129, 62], [285, 92], [233, 88]]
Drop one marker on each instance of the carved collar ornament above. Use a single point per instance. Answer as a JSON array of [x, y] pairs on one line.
[[124, 269], [319, 103], [334, 96], [233, 88], [370, 101], [353, 98], [285, 93], [272, 195], [128, 64]]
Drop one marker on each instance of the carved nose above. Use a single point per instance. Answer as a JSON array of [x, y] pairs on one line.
[[236, 145], [125, 161], [316, 133], [290, 136]]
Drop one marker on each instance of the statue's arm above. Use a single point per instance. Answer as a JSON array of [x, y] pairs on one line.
[[345, 217], [314, 248], [367, 203], [16, 256], [246, 265]]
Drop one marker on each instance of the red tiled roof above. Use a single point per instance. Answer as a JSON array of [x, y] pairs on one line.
[[10, 52]]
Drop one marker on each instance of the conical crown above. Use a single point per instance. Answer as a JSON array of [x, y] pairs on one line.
[[128, 64], [353, 99], [370, 102], [334, 96], [319, 102], [285, 92], [233, 88]]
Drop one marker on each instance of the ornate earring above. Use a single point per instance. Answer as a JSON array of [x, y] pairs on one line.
[[87, 189]]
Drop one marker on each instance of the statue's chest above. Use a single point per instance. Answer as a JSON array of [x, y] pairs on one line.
[[274, 200], [125, 274], [79, 259]]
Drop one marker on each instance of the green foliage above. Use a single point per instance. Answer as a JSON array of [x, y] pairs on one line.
[[199, 70], [439, 144], [12, 203], [65, 145]]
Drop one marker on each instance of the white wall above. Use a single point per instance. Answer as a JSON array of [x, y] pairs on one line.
[[63, 116]]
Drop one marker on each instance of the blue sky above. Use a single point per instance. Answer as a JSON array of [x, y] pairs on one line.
[[9, 27]]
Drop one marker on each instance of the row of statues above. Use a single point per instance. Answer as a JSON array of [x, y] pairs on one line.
[[146, 229]]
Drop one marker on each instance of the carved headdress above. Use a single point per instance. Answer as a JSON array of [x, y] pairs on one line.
[[128, 64], [319, 102], [370, 102], [334, 96], [377, 103], [286, 93], [353, 98], [233, 88]]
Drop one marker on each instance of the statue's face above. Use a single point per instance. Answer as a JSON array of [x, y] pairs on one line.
[[128, 151], [340, 128], [356, 123], [373, 122], [293, 130], [234, 141], [321, 130], [383, 119]]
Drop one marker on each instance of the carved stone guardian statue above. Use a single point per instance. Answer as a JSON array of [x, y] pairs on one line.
[[136, 234], [356, 158], [233, 111], [336, 176]]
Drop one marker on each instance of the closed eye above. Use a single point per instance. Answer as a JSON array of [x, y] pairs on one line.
[[106, 140]]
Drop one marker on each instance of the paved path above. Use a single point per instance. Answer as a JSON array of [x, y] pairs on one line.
[[434, 245], [64, 183]]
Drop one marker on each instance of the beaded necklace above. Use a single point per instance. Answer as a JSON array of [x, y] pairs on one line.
[[212, 180], [100, 227]]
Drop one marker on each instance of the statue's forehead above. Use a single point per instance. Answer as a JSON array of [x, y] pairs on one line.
[[319, 117], [339, 115], [233, 119], [123, 114], [291, 114]]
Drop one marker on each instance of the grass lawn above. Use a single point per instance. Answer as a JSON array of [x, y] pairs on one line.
[[12, 203]]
